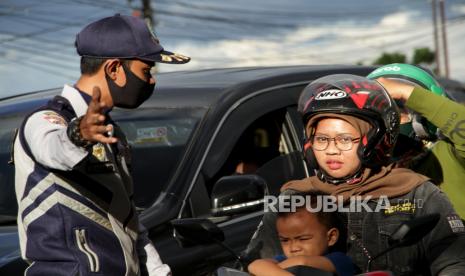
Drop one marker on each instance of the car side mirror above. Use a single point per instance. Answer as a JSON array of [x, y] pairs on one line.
[[196, 231], [200, 231], [237, 194]]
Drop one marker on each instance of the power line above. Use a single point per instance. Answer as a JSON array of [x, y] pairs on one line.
[[40, 39], [37, 19], [413, 38], [101, 3], [16, 36], [55, 59], [107, 4], [223, 20], [21, 7], [306, 13], [47, 30], [41, 67]]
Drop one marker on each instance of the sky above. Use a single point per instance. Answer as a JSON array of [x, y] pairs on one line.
[[37, 37]]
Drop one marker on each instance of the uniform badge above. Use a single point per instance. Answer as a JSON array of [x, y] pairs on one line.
[[174, 58], [98, 151]]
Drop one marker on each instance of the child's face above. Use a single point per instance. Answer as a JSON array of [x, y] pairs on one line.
[[301, 234], [335, 162]]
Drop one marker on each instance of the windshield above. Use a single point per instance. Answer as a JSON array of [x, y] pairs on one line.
[[158, 139]]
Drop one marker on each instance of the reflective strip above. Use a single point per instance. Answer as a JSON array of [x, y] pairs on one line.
[[83, 245], [66, 201], [96, 201], [42, 186], [35, 192]]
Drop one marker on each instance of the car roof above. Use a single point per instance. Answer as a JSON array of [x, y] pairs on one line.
[[203, 88]]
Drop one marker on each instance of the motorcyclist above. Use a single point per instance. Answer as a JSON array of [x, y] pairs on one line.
[[352, 125], [427, 114]]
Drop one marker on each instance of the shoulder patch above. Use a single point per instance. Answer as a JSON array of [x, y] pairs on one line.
[[456, 224], [54, 118]]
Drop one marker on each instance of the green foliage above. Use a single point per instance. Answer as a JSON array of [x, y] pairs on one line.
[[420, 56], [423, 55], [387, 58]]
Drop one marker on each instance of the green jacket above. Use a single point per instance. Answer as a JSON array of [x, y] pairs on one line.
[[445, 163]]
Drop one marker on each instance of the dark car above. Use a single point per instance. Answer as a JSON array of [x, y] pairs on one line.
[[192, 142]]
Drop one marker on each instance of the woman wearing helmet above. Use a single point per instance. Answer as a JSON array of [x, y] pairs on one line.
[[352, 125], [427, 110]]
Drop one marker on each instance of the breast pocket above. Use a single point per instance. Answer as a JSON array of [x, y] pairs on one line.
[[399, 260]]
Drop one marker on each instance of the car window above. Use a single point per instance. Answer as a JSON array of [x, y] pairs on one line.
[[265, 140], [259, 143], [158, 138], [255, 132]]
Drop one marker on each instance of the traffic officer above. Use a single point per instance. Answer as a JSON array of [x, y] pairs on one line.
[[74, 190]]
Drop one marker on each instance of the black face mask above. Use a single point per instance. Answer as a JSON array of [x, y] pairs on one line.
[[131, 95]]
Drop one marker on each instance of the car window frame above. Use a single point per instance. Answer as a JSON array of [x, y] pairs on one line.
[[197, 180]]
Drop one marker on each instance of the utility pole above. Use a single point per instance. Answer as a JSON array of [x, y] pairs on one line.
[[444, 37], [436, 38], [147, 12]]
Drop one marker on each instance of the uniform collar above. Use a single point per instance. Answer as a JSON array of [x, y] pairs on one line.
[[84, 95], [77, 101]]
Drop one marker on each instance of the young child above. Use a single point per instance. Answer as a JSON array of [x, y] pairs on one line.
[[308, 237]]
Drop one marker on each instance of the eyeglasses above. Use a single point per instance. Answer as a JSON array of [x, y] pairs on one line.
[[342, 142]]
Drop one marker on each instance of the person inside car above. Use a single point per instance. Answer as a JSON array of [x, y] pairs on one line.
[[76, 213], [309, 237], [352, 125], [426, 115]]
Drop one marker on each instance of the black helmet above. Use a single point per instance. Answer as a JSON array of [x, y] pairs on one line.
[[359, 97]]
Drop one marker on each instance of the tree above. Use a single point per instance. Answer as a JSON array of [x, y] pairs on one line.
[[387, 58], [423, 55]]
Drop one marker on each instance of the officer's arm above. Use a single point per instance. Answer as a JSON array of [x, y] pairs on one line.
[[45, 134], [444, 245], [148, 255]]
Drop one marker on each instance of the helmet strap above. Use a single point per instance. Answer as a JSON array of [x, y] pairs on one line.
[[308, 154], [352, 179]]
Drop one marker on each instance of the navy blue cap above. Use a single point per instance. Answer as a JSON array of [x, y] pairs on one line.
[[126, 37]]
